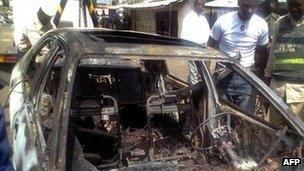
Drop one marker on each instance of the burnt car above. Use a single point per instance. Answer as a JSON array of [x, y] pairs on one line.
[[103, 99]]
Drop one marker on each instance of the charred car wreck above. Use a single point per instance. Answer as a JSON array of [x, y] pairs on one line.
[[102, 99]]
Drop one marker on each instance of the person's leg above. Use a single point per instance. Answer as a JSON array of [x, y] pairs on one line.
[[235, 89], [280, 89], [244, 95], [224, 88], [298, 109]]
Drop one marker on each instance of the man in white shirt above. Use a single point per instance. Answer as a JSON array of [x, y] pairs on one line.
[[195, 28], [238, 34], [35, 28]]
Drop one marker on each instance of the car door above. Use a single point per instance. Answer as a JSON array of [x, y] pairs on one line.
[[260, 95], [28, 140]]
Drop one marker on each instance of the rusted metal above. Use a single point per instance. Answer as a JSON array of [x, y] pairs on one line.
[[165, 148], [243, 116], [161, 139], [164, 52], [103, 166], [95, 132], [151, 151], [119, 131], [273, 146], [276, 101], [212, 97]]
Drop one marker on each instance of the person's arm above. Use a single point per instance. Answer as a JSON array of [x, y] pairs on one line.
[[216, 34], [213, 43], [262, 49], [23, 44], [263, 53], [269, 63]]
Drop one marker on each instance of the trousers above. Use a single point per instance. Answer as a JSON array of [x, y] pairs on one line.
[[291, 93], [235, 89]]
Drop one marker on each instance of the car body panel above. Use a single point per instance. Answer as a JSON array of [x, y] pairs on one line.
[[105, 44]]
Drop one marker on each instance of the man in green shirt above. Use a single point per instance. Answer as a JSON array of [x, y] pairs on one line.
[[269, 10], [285, 66]]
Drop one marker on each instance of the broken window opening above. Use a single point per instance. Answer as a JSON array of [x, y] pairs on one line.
[[140, 114]]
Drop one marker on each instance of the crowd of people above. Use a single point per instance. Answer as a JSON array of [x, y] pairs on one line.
[[115, 20], [257, 35]]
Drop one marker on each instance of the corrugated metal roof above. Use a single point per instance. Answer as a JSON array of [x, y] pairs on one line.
[[150, 4], [223, 4]]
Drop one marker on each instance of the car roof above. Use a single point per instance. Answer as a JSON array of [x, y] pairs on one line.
[[131, 43]]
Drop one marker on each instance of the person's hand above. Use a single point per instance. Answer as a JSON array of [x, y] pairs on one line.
[[267, 80], [267, 76]]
